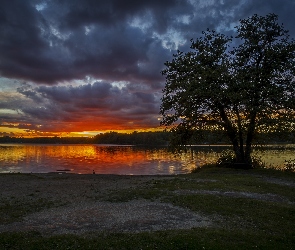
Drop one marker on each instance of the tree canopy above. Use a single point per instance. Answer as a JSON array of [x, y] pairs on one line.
[[242, 85]]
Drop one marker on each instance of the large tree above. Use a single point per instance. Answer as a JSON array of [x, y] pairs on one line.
[[242, 86]]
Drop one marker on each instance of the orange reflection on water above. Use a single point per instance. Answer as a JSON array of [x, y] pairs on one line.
[[86, 158], [114, 159]]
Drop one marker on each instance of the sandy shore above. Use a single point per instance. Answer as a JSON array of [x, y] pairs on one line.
[[71, 203]]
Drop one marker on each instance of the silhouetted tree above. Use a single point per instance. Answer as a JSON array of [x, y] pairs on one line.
[[240, 90]]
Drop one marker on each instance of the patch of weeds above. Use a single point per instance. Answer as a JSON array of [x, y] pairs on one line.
[[125, 195], [261, 216], [20, 176], [14, 210], [275, 173], [231, 183], [254, 180]]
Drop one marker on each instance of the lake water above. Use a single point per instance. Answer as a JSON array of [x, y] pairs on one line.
[[123, 160]]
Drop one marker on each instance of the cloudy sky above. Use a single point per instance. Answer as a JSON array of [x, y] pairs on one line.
[[79, 67]]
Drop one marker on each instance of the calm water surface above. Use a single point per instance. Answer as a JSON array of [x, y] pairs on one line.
[[126, 160]]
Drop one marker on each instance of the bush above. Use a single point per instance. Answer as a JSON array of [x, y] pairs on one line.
[[226, 159], [257, 162]]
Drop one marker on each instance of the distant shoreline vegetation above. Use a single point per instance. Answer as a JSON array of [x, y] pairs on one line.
[[135, 138], [159, 138]]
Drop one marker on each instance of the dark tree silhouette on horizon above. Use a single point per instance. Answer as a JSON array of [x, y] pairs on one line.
[[240, 90]]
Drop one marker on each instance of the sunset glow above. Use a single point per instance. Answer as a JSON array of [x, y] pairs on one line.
[[77, 68]]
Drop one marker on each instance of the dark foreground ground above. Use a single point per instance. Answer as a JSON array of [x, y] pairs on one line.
[[210, 209]]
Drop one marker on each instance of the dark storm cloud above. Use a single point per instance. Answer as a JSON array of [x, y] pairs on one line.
[[99, 95], [52, 41], [120, 45], [96, 103], [111, 13]]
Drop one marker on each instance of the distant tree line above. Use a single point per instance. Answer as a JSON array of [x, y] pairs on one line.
[[47, 140], [135, 138], [160, 138]]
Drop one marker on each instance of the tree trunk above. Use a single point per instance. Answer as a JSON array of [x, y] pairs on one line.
[[241, 159], [249, 139], [234, 137]]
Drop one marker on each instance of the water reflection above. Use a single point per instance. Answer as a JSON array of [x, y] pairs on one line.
[[115, 159], [86, 158]]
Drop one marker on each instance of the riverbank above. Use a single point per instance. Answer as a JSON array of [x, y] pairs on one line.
[[235, 207]]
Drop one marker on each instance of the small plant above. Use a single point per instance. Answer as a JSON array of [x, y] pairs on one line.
[[289, 165], [257, 162], [226, 159]]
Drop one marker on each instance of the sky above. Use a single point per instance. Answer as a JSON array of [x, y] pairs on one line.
[[83, 67]]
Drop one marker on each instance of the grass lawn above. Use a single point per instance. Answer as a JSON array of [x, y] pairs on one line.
[[250, 209]]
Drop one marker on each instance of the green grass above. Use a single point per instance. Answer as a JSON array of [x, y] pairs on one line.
[[239, 222]]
